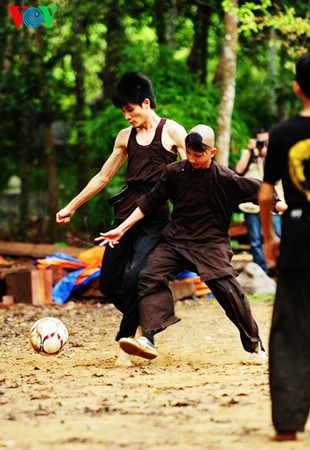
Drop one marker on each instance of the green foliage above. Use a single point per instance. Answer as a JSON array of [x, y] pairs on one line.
[[100, 131], [39, 73], [258, 298]]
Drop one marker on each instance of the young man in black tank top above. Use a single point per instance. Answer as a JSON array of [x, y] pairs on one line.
[[149, 144]]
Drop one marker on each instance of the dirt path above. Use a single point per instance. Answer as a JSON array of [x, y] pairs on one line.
[[198, 394]]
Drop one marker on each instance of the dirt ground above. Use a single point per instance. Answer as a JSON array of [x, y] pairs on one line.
[[200, 393]]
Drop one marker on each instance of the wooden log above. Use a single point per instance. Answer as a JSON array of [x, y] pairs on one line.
[[7, 299], [30, 286], [58, 273], [91, 290], [36, 250], [4, 272], [182, 289]]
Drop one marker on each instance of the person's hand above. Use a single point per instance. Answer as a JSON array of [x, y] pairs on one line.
[[64, 215], [271, 251], [251, 144], [281, 206], [111, 237]]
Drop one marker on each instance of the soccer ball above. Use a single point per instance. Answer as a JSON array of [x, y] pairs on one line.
[[48, 336]]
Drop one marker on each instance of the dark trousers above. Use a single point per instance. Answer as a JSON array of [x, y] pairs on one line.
[[156, 303], [121, 268], [289, 351]]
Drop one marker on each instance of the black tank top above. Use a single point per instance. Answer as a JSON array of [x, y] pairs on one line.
[[144, 167]]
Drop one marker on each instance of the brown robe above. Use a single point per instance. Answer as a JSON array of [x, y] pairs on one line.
[[203, 202]]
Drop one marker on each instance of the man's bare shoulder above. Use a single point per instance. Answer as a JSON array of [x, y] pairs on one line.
[[173, 127], [173, 137], [175, 131], [122, 137], [124, 133]]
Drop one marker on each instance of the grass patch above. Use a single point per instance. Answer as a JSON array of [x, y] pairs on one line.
[[260, 297]]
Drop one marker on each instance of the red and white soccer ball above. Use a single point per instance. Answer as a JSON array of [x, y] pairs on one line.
[[48, 336]]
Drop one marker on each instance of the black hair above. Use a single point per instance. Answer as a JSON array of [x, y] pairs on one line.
[[194, 141], [303, 74], [132, 87], [259, 130]]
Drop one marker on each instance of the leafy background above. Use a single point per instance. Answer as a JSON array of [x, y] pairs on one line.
[[57, 123]]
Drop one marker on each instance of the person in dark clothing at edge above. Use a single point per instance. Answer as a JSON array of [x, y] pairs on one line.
[[204, 196], [149, 144], [288, 158]]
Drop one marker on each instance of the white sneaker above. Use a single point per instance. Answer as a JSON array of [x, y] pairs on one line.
[[139, 347], [259, 357]]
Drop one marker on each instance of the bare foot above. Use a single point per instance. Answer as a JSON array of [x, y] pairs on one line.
[[284, 436], [123, 359]]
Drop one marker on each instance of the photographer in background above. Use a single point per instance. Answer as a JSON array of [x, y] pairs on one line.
[[252, 159], [251, 165]]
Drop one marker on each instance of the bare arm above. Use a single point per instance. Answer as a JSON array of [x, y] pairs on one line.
[[100, 180], [243, 162], [113, 236], [272, 241], [177, 135]]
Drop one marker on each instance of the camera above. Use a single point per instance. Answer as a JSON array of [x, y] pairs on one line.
[[260, 144]]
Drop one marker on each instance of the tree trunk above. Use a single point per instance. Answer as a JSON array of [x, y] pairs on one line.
[[218, 76], [52, 181], [273, 72], [48, 144], [282, 94], [79, 114], [197, 60], [115, 39], [5, 63], [23, 151], [173, 13], [159, 18], [24, 176], [3, 36], [228, 86]]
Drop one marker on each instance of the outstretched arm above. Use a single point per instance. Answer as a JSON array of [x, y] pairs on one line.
[[112, 237]]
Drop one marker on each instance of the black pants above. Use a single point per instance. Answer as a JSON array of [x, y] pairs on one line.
[[289, 351], [121, 268], [156, 303]]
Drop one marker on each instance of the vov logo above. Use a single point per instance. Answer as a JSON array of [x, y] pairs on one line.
[[31, 16]]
